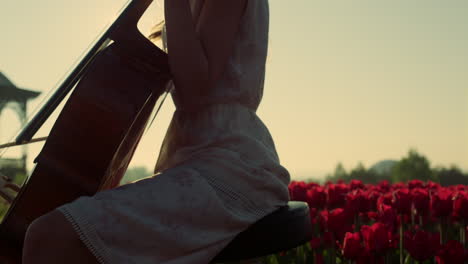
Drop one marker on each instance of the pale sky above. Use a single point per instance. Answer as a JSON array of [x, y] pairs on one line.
[[347, 81]]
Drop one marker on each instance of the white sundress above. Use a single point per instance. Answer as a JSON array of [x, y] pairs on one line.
[[218, 172]]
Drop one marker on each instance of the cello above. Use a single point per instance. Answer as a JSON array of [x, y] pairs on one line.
[[114, 90]]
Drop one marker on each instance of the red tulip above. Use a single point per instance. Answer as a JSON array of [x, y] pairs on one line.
[[388, 216], [372, 197], [298, 191], [377, 238], [370, 216], [451, 253], [441, 203], [385, 199], [334, 207], [316, 197], [311, 185], [336, 221], [460, 205], [336, 194], [432, 185], [421, 200], [337, 218], [402, 201], [415, 184], [356, 202], [356, 184], [384, 186], [352, 246], [421, 245], [339, 223]]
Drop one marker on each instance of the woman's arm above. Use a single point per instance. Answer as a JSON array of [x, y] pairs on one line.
[[199, 50]]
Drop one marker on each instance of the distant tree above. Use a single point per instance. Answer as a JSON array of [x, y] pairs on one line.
[[365, 175], [360, 172], [339, 174], [383, 169], [450, 176], [340, 171], [414, 166], [411, 167], [134, 174]]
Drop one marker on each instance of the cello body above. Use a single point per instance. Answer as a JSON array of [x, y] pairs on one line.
[[96, 133]]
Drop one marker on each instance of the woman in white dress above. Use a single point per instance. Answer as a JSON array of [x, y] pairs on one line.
[[218, 171]]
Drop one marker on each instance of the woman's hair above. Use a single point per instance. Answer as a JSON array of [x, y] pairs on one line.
[[157, 31], [159, 34]]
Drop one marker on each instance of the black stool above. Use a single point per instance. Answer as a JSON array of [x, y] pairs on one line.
[[285, 228]]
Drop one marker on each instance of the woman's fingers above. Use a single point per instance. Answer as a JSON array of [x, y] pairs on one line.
[[6, 182], [6, 197], [4, 179], [13, 187]]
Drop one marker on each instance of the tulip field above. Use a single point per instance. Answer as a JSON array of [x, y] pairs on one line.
[[416, 222]]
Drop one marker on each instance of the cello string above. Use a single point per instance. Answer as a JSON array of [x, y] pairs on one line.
[[35, 140], [169, 88]]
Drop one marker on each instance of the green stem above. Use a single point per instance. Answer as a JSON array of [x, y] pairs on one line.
[[333, 255], [462, 233], [442, 231], [401, 240], [356, 223]]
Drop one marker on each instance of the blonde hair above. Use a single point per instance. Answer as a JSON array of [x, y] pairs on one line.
[[157, 31], [159, 34]]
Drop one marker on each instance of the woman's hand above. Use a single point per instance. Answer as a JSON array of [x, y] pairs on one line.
[[6, 183]]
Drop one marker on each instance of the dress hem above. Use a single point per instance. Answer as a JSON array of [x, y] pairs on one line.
[[83, 229]]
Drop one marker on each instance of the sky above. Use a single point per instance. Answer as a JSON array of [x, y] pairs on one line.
[[347, 81]]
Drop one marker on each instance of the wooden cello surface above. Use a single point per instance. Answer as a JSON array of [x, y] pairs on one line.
[[96, 133]]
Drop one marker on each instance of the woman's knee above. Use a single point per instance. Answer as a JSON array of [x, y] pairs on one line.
[[47, 226], [51, 237], [42, 229]]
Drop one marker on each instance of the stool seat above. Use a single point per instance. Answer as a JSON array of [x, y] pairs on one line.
[[286, 228]]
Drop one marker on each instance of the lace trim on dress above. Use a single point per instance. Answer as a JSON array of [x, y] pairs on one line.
[[83, 231]]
